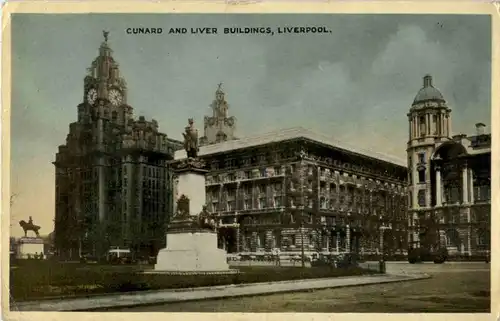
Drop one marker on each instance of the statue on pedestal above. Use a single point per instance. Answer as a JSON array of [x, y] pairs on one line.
[[192, 148], [191, 140], [207, 220], [182, 208], [29, 226], [182, 218]]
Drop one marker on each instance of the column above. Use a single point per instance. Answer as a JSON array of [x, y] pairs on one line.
[[337, 242], [449, 125], [414, 124], [441, 123], [381, 245], [410, 126], [438, 187], [428, 127], [469, 232], [417, 126], [348, 238], [238, 250], [471, 185], [465, 194], [238, 201]]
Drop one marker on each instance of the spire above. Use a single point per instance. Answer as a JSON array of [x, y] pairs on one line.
[[105, 34], [219, 93]]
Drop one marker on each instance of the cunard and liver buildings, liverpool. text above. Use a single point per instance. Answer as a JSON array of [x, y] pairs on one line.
[[291, 189]]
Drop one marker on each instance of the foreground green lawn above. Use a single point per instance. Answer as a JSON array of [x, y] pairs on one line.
[[31, 280]]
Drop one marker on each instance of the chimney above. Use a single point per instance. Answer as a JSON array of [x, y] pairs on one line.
[[427, 81], [480, 128]]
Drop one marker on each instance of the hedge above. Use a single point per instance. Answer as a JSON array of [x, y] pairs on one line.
[[44, 280]]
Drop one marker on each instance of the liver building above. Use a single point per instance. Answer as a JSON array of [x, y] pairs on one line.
[[449, 179], [112, 178]]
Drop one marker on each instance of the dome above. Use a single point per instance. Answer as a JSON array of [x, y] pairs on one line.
[[428, 92]]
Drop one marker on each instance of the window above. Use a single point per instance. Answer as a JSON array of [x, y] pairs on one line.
[[449, 240], [262, 240], [421, 158], [483, 238], [422, 126], [421, 176], [277, 202], [262, 203], [434, 124], [323, 203], [421, 198]]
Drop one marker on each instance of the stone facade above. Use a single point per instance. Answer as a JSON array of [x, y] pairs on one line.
[[449, 179], [113, 182], [260, 187]]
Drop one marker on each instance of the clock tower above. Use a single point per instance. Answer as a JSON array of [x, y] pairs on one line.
[[112, 178], [218, 127], [105, 91]]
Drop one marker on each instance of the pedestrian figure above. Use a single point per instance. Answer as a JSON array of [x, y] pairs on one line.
[[276, 254]]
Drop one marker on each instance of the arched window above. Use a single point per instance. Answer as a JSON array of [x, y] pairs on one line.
[[422, 125], [114, 115]]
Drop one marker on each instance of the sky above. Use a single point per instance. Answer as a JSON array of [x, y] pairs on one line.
[[355, 84]]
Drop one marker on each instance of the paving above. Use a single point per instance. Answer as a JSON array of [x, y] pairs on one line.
[[215, 292]]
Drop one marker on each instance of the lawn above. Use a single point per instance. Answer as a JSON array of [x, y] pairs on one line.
[[31, 280]]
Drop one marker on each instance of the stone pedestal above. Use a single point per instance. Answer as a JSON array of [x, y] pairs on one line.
[[190, 248], [29, 247], [192, 251]]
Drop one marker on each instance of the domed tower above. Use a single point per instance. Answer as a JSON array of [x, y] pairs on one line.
[[429, 125], [219, 127]]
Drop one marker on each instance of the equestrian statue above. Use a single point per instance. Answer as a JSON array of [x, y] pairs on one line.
[[29, 226]]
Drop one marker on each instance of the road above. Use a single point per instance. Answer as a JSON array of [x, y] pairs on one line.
[[454, 287]]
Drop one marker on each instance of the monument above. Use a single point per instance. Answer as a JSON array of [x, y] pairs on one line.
[[30, 247], [192, 232]]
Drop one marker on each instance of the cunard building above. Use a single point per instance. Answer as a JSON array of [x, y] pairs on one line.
[[294, 189], [113, 183], [449, 179]]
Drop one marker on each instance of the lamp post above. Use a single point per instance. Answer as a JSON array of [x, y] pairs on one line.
[[382, 229]]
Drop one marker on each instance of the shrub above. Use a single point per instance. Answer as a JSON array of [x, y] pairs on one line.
[[34, 281]]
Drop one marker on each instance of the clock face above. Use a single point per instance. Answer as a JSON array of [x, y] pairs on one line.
[[92, 96], [115, 97]]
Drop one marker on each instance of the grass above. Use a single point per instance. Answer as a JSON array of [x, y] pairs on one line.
[[31, 280], [449, 290]]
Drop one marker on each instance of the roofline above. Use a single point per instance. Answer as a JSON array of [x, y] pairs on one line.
[[289, 134]]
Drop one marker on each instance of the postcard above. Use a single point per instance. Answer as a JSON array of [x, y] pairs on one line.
[[262, 160]]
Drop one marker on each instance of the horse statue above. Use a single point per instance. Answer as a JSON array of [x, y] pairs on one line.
[[191, 139], [29, 226], [207, 220]]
